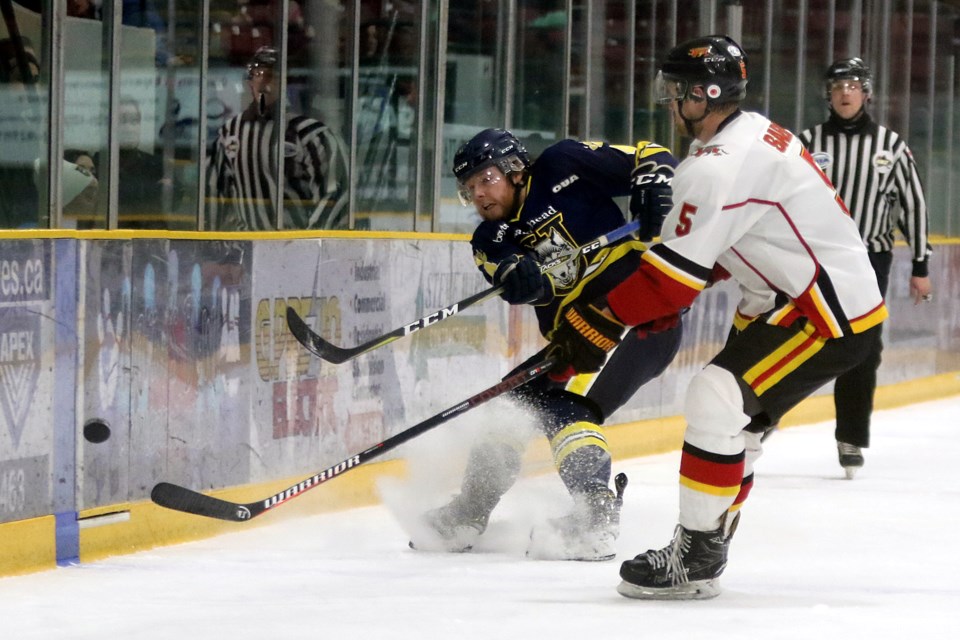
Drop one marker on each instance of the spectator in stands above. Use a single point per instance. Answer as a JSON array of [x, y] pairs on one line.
[[140, 191]]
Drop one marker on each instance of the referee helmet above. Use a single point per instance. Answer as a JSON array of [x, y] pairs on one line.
[[849, 69]]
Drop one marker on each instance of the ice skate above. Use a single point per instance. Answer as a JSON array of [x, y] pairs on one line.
[[851, 458], [588, 533], [687, 569], [452, 528]]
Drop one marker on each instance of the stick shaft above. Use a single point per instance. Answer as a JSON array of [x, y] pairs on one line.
[[316, 345], [181, 498]]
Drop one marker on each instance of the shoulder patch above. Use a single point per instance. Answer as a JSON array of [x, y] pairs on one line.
[[883, 161], [823, 159]]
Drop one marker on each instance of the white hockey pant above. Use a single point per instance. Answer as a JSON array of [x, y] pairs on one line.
[[715, 422]]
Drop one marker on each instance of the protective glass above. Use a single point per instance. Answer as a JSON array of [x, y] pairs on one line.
[[261, 73], [484, 179], [852, 85], [670, 89]]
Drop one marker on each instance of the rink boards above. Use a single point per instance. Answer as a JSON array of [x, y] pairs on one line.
[[178, 343]]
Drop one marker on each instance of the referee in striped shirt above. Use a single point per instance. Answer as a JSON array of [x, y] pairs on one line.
[[243, 173], [875, 175]]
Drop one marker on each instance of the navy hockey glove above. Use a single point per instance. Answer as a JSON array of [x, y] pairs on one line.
[[522, 281], [651, 197], [584, 337]]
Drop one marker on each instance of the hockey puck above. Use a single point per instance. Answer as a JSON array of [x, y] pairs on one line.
[[96, 431]]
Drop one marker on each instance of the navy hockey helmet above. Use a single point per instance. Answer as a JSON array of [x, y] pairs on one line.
[[717, 63], [490, 147], [263, 58], [849, 69]]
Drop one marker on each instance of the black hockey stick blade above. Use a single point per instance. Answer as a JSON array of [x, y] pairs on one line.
[[321, 348], [178, 498]]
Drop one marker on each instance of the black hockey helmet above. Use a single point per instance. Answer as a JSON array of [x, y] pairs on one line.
[[490, 147], [849, 69], [263, 58], [717, 63]]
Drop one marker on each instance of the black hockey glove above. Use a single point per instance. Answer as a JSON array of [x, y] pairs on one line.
[[651, 197], [584, 337], [522, 281]]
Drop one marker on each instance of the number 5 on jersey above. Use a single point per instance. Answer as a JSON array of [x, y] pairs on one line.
[[687, 211]]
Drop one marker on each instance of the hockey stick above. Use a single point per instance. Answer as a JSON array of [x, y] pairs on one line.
[[180, 498], [319, 347]]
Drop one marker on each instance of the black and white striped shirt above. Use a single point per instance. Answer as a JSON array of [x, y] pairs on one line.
[[875, 174], [243, 175]]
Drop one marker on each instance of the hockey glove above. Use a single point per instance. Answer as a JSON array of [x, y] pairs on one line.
[[584, 337], [651, 197], [522, 281]]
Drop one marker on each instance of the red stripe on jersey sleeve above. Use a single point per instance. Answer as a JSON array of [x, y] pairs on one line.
[[649, 294]]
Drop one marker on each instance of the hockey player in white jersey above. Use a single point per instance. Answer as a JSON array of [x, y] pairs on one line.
[[749, 203]]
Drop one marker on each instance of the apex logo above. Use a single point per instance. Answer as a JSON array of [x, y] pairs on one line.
[[19, 368]]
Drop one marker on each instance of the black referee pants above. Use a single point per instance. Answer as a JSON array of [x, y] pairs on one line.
[[854, 390]]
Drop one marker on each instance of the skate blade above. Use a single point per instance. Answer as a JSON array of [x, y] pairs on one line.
[[850, 472], [440, 549], [696, 590], [592, 556]]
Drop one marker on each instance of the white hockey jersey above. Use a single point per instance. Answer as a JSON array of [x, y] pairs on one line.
[[753, 203]]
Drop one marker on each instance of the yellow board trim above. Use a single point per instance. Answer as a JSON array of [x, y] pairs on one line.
[[130, 234], [28, 545]]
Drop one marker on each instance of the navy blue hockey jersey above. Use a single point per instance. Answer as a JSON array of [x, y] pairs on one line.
[[569, 202]]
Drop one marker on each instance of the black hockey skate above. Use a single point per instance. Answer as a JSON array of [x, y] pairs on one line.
[[687, 569], [851, 458], [588, 533], [452, 528]]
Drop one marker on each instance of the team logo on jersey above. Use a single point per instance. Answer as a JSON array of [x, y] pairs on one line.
[[553, 246], [231, 146], [710, 150], [883, 161], [566, 182], [823, 160]]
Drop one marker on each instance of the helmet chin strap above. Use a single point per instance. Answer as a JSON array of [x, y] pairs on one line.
[[689, 122], [517, 195]]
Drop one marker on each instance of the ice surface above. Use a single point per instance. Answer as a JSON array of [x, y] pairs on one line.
[[815, 557]]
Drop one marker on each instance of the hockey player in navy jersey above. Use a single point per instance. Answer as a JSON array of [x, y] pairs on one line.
[[749, 203], [532, 213]]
